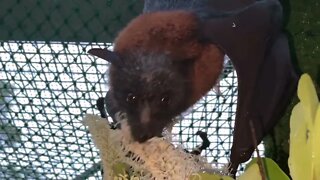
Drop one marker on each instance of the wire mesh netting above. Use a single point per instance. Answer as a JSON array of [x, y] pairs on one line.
[[48, 83]]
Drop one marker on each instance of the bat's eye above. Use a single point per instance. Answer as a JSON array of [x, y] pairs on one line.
[[164, 99], [131, 98]]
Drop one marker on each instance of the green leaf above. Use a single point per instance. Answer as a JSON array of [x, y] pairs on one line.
[[272, 170], [252, 172], [207, 176]]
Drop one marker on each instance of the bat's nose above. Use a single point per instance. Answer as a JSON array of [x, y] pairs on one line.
[[142, 135], [143, 138], [145, 114]]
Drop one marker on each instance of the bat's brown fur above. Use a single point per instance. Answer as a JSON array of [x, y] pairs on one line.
[[177, 35]]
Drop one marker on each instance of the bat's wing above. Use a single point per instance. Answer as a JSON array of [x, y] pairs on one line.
[[228, 5], [214, 5], [253, 40]]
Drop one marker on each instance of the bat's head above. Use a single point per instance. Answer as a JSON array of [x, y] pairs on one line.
[[151, 88], [159, 68]]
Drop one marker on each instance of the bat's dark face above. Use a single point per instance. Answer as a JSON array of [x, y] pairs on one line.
[[152, 90]]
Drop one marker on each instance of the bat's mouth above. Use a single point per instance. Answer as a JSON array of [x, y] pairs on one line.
[[142, 137], [141, 133]]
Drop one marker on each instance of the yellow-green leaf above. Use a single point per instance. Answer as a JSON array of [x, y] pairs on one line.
[[308, 96], [316, 148], [304, 159], [300, 145], [272, 170], [208, 176], [120, 168], [252, 172]]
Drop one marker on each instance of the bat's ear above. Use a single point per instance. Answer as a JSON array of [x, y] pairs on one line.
[[106, 54]]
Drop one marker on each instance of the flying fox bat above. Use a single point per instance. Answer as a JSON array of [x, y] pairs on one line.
[[171, 55]]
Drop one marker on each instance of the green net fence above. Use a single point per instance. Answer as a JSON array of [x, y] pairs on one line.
[[48, 83]]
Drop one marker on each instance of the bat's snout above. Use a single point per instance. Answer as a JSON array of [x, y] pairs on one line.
[[143, 138], [142, 135], [145, 130], [146, 124]]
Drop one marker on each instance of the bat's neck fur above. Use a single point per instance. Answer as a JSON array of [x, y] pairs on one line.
[[176, 34]]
